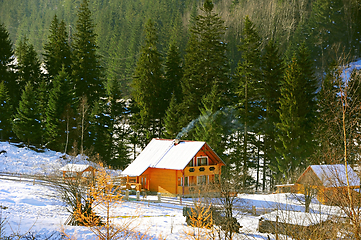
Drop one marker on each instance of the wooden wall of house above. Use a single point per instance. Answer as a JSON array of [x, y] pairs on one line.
[[162, 180]]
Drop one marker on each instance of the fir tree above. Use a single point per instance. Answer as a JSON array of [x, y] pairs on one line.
[[249, 93], [60, 97], [297, 115], [27, 125], [118, 128], [210, 127], [6, 65], [272, 74], [173, 73], [148, 84], [171, 119], [5, 113], [28, 67], [57, 49], [205, 63], [86, 67]]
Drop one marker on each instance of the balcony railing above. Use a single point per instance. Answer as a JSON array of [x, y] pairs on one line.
[[201, 170]]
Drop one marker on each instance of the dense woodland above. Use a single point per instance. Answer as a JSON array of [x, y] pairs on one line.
[[260, 81]]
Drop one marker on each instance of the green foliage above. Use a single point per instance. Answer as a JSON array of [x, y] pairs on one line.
[[87, 70], [5, 113], [173, 74], [108, 130], [205, 63], [210, 127], [171, 119], [28, 67], [249, 93], [297, 115], [149, 87], [118, 130], [57, 50], [272, 75], [6, 57], [27, 124], [60, 100]]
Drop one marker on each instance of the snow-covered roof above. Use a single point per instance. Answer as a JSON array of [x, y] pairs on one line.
[[165, 154], [335, 175], [296, 218], [74, 168]]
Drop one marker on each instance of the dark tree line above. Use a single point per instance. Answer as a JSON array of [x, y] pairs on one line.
[[264, 117]]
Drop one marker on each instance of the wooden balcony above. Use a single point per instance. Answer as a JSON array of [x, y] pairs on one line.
[[202, 170]]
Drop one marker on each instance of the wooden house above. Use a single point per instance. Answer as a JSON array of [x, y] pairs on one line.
[[329, 182], [174, 167], [73, 171]]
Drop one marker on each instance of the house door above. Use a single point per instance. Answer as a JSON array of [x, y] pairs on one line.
[[143, 182]]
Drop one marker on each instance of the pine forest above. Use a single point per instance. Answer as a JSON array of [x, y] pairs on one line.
[[266, 83]]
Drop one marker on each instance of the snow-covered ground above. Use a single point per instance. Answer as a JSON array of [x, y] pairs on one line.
[[33, 207]]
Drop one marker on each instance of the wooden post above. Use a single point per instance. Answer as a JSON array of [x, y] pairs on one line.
[[138, 195], [159, 197], [276, 228], [254, 210], [127, 194]]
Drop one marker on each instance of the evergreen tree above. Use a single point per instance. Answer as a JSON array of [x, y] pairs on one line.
[[171, 119], [250, 94], [290, 126], [272, 74], [86, 67], [149, 85], [6, 65], [97, 136], [57, 49], [60, 97], [205, 63], [28, 67], [5, 113], [118, 128], [297, 115], [27, 125], [328, 131], [210, 127], [173, 73]]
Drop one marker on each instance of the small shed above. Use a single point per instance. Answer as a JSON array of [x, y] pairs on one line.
[[292, 223], [174, 167], [329, 181], [72, 171]]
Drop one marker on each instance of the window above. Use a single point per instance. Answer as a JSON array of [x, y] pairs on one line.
[[202, 180], [180, 181], [202, 161], [190, 164], [192, 180]]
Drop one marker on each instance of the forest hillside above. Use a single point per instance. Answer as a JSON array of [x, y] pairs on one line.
[[120, 23]]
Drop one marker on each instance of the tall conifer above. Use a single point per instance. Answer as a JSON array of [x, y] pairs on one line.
[[272, 74], [27, 124], [149, 87], [57, 49], [205, 63], [297, 115], [28, 67], [249, 93], [5, 113], [60, 97], [87, 71], [7, 66]]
